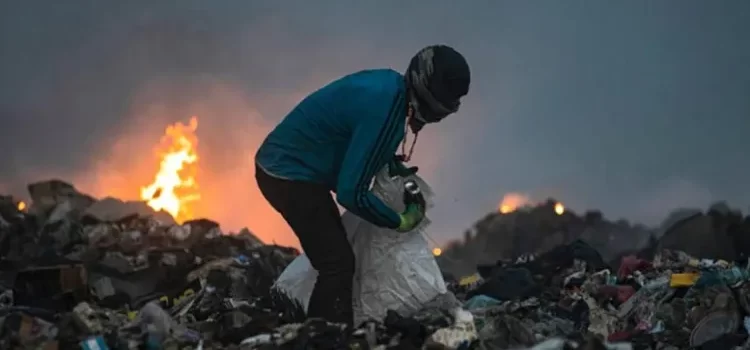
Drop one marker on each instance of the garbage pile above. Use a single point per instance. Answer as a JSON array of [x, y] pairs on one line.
[[666, 295], [82, 273], [674, 301], [718, 233], [538, 229]]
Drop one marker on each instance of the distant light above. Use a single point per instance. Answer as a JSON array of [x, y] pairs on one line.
[[512, 201], [437, 251], [21, 206], [559, 209]]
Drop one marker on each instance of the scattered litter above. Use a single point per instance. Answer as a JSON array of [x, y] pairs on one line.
[[98, 275]]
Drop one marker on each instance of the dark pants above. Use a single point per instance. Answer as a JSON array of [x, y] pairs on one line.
[[313, 216]]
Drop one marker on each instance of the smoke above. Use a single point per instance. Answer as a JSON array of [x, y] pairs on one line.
[[87, 89], [91, 103], [230, 129], [670, 195]]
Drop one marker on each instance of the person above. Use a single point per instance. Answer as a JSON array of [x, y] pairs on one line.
[[337, 139]]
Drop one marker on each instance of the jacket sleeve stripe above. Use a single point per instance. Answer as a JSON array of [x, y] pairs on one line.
[[375, 160]]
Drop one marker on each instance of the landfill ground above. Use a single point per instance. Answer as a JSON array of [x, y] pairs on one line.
[[82, 273]]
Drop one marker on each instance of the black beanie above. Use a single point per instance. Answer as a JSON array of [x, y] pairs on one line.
[[443, 72]]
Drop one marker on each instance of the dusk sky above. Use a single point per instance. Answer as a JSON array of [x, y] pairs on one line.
[[632, 107]]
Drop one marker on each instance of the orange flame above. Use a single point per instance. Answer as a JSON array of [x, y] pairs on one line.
[[437, 251], [21, 206], [513, 201], [174, 185]]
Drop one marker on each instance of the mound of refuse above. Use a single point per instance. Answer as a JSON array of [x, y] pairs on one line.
[[717, 233], [77, 272], [682, 285], [81, 273], [673, 301]]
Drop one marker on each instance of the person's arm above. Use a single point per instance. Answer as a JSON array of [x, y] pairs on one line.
[[370, 149]]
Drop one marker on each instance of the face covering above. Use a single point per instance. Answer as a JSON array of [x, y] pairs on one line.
[[427, 109]]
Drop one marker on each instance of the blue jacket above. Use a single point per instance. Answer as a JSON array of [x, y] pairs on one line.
[[340, 136]]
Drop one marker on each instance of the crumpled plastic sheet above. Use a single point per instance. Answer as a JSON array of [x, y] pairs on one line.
[[601, 322], [461, 333]]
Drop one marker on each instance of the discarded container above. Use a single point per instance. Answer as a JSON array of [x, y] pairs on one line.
[[679, 280], [46, 286]]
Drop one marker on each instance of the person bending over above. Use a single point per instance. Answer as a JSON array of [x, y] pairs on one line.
[[337, 139]]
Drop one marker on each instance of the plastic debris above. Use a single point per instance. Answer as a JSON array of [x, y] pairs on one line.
[[97, 275]]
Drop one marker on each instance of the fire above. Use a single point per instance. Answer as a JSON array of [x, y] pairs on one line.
[[513, 201], [559, 208], [437, 251], [21, 206], [174, 185]]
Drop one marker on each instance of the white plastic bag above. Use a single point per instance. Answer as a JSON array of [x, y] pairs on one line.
[[394, 270]]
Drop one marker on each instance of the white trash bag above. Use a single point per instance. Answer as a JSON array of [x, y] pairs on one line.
[[394, 271]]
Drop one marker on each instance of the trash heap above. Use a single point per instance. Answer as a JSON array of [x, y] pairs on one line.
[[77, 272], [718, 233], [537, 229], [82, 273], [659, 297]]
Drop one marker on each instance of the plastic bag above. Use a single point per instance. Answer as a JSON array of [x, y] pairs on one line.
[[394, 271]]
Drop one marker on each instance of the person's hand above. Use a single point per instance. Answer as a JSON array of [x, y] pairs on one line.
[[397, 168], [411, 217]]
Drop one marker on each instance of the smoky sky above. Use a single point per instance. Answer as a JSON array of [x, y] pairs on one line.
[[632, 107]]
